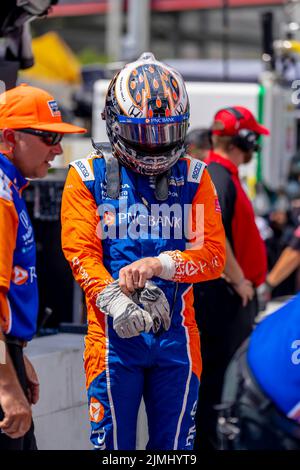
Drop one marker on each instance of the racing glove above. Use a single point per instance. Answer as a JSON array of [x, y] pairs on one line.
[[128, 318], [156, 304]]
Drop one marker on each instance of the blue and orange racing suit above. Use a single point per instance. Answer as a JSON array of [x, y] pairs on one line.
[[100, 236]]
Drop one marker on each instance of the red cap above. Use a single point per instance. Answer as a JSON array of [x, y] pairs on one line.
[[227, 123], [29, 107]]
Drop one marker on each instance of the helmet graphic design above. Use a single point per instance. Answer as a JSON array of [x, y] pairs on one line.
[[147, 115]]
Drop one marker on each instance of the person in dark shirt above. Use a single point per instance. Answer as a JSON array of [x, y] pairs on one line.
[[226, 308]]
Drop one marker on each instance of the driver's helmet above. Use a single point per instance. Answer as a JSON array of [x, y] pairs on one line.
[[147, 115]]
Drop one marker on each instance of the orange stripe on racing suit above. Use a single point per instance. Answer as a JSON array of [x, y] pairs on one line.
[[193, 333]]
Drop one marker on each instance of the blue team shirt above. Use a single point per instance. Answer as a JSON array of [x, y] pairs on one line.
[[20, 278]]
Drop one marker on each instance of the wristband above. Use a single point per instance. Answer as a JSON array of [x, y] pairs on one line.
[[168, 266]]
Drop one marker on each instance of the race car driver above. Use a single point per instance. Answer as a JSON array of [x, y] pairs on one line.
[[123, 233]]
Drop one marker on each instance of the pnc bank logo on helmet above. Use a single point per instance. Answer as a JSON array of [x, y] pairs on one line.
[[160, 120]]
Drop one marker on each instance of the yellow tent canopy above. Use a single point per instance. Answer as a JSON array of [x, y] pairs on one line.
[[54, 60]]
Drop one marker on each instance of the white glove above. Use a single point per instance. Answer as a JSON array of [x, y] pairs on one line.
[[155, 302], [128, 318]]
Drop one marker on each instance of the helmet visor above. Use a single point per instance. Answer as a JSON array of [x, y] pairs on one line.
[[152, 132]]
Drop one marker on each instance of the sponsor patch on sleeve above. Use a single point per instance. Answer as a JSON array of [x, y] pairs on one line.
[[195, 171], [84, 170]]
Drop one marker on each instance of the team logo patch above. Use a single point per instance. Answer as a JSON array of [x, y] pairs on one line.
[[195, 171], [53, 106], [96, 410], [191, 268], [84, 170], [19, 275]]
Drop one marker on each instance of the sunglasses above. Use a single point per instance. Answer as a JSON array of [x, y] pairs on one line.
[[49, 138]]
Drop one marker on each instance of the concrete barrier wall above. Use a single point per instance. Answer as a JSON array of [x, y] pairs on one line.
[[61, 415]]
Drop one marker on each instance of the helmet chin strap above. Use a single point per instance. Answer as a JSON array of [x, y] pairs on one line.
[[161, 190], [162, 186]]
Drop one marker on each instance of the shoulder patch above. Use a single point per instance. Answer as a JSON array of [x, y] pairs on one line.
[[196, 169], [84, 169], [5, 183]]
